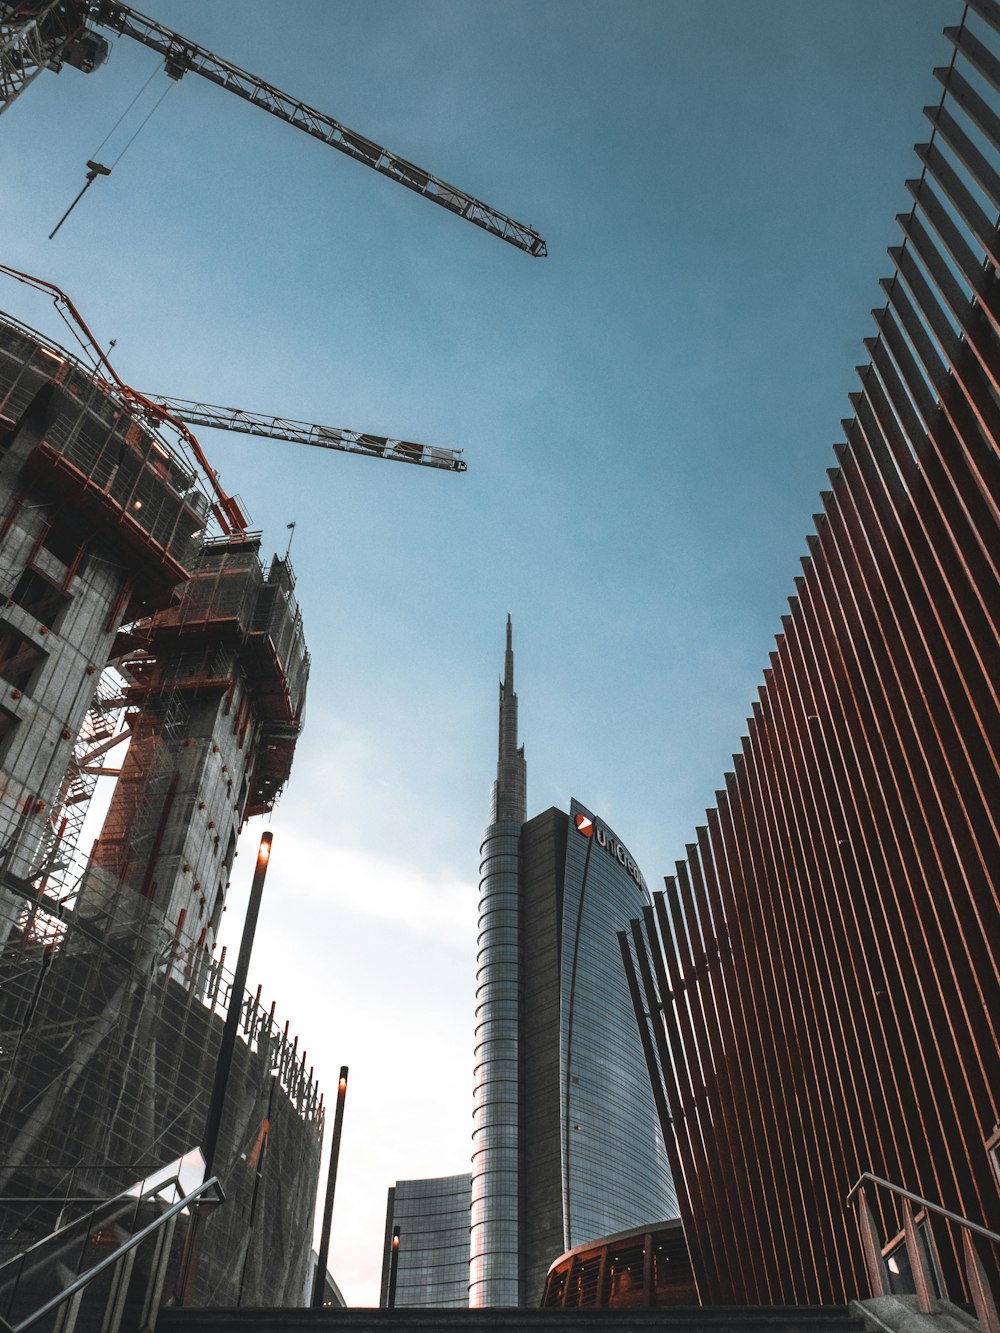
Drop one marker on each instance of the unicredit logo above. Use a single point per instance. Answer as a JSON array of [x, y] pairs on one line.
[[586, 826]]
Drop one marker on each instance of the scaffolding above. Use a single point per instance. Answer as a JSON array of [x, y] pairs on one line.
[[108, 1043], [103, 729], [143, 794]]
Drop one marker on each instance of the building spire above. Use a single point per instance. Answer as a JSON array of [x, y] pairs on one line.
[[509, 795]]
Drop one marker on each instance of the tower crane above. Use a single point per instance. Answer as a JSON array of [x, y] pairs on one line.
[[177, 413], [46, 34]]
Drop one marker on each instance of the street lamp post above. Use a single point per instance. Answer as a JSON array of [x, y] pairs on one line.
[[224, 1063], [319, 1281], [390, 1298]]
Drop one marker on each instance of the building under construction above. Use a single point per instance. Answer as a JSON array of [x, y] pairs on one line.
[[122, 618]]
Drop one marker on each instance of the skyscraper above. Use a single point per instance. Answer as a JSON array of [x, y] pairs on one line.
[[566, 1146]]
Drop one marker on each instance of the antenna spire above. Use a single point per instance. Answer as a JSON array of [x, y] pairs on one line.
[[509, 795]]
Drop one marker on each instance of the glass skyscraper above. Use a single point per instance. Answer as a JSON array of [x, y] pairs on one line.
[[566, 1142], [429, 1220]]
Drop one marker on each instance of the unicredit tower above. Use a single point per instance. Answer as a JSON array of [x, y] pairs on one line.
[[566, 1145]]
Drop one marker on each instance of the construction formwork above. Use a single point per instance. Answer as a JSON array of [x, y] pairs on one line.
[[84, 442], [100, 519], [231, 602]]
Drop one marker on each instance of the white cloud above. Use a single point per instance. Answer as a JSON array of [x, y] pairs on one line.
[[329, 880]]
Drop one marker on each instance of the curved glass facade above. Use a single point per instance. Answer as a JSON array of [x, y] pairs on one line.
[[566, 1141], [614, 1165]]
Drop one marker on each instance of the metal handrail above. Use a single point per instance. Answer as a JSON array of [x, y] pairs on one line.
[[878, 1277], [118, 1202], [924, 1203], [109, 1261]]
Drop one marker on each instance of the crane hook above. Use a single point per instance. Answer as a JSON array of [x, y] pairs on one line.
[[94, 169]]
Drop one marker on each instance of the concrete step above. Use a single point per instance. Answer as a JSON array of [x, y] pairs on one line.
[[672, 1319]]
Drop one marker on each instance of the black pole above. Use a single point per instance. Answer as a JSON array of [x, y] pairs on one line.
[[319, 1281], [224, 1063], [390, 1299]]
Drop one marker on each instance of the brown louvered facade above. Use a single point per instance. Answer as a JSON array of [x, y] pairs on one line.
[[817, 986]]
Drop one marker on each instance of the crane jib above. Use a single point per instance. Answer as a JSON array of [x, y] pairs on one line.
[[182, 56], [306, 432]]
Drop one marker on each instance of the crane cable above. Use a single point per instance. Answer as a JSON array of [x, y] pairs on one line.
[[155, 107], [95, 168], [126, 111]]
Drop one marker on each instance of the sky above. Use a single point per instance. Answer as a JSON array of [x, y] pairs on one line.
[[647, 416]]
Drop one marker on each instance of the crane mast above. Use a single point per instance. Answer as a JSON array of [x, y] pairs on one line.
[[45, 35], [304, 432], [40, 34]]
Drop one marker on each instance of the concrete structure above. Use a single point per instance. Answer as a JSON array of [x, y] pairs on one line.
[[114, 603], [218, 683], [566, 1146], [429, 1222]]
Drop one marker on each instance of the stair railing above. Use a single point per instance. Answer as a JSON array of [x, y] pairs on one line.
[[874, 1251], [66, 1303]]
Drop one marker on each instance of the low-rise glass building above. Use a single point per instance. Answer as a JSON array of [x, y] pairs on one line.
[[425, 1260]]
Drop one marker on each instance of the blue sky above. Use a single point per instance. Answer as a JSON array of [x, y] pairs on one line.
[[647, 416]]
